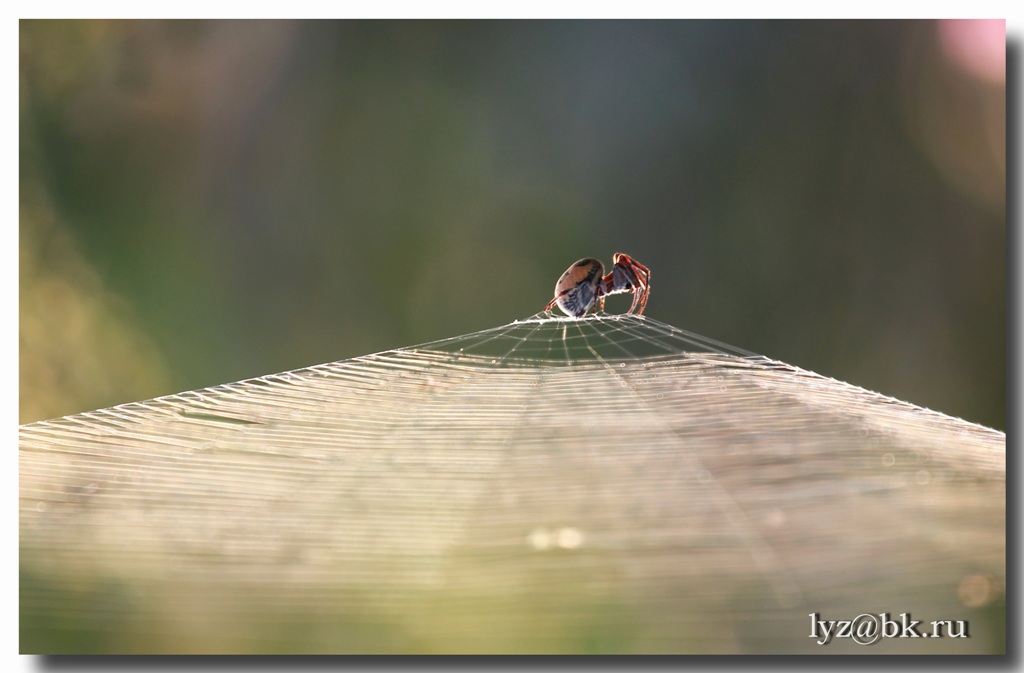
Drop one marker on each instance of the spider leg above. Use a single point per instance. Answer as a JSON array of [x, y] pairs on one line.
[[633, 277], [642, 299], [551, 304], [575, 300], [605, 288], [647, 292], [626, 260], [644, 276], [636, 298]]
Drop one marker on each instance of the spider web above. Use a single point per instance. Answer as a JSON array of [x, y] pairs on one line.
[[610, 484]]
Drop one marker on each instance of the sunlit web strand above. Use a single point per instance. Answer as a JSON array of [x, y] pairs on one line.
[[544, 337], [609, 475], [786, 590]]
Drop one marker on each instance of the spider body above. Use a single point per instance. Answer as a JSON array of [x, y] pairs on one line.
[[584, 284]]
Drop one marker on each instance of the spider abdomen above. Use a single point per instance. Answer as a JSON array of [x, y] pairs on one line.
[[577, 288]]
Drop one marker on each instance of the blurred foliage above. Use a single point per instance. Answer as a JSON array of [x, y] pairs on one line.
[[209, 201], [78, 341]]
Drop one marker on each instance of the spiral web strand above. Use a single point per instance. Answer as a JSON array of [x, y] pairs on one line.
[[610, 484]]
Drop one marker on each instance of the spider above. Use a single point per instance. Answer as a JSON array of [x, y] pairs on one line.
[[583, 284]]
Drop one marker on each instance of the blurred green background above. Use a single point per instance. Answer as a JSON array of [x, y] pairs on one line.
[[207, 201]]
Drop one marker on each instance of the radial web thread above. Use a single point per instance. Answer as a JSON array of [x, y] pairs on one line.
[[552, 485]]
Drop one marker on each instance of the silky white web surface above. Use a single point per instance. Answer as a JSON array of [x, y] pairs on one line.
[[611, 484]]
